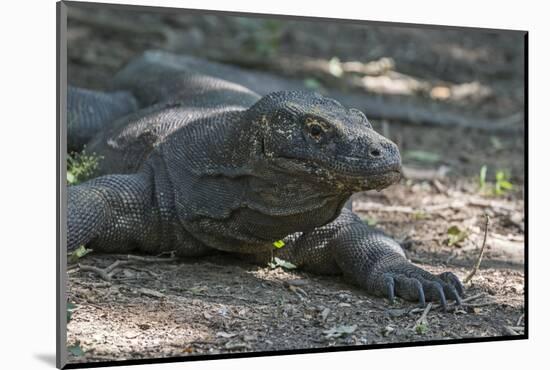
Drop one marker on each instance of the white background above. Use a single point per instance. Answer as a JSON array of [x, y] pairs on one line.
[[27, 180]]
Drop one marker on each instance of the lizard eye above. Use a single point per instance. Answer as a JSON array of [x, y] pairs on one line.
[[315, 130]]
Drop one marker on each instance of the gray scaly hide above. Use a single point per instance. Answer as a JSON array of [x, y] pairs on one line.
[[204, 163]]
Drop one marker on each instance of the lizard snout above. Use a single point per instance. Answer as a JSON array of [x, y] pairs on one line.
[[385, 153]]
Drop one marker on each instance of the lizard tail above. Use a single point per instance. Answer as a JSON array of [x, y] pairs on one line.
[[88, 112]]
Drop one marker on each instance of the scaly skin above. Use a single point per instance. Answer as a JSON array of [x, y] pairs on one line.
[[90, 111], [209, 165]]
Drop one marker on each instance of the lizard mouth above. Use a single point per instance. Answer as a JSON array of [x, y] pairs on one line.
[[355, 172], [371, 180], [364, 173], [352, 172], [380, 181]]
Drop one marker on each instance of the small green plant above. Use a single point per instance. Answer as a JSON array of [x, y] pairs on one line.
[[78, 254], [75, 349], [81, 166], [501, 185], [483, 177], [70, 308], [455, 235], [420, 215], [421, 328], [312, 84], [371, 221]]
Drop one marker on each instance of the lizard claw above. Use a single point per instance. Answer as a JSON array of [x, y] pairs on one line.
[[389, 282], [436, 292], [453, 280], [409, 288], [415, 284]]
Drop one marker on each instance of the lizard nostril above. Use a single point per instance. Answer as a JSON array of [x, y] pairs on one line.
[[375, 153]]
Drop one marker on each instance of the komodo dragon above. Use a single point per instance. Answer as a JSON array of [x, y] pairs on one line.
[[206, 164]]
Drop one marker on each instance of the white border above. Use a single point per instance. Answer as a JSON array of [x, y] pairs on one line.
[[28, 182]]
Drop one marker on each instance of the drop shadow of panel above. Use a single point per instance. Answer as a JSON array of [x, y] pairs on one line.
[[47, 358]]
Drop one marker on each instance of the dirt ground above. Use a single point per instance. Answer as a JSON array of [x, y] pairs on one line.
[[220, 304]]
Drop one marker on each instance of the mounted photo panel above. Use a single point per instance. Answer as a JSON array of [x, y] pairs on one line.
[[237, 185]]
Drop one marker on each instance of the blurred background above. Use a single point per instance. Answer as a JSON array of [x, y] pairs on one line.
[[421, 87]]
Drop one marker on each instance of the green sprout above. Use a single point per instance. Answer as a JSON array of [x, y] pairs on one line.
[[501, 185], [81, 166]]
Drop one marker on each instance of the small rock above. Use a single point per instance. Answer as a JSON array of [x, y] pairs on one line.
[[387, 331], [236, 345], [151, 293], [344, 296], [325, 314], [223, 311], [132, 334], [250, 338], [225, 335], [339, 331]]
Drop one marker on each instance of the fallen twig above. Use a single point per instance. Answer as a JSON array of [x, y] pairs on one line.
[[100, 272], [151, 259], [480, 304], [422, 318], [114, 265], [519, 320], [108, 272], [437, 305], [153, 274], [439, 186], [517, 328], [471, 298], [497, 205], [480, 256], [509, 330]]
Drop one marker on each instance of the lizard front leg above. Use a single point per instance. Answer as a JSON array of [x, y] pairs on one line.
[[111, 213], [370, 259]]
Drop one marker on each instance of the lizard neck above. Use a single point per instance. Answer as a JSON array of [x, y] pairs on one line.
[[231, 196]]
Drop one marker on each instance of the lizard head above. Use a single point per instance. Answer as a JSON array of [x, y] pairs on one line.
[[306, 134]]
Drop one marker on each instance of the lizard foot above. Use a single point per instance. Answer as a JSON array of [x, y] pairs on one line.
[[415, 284]]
